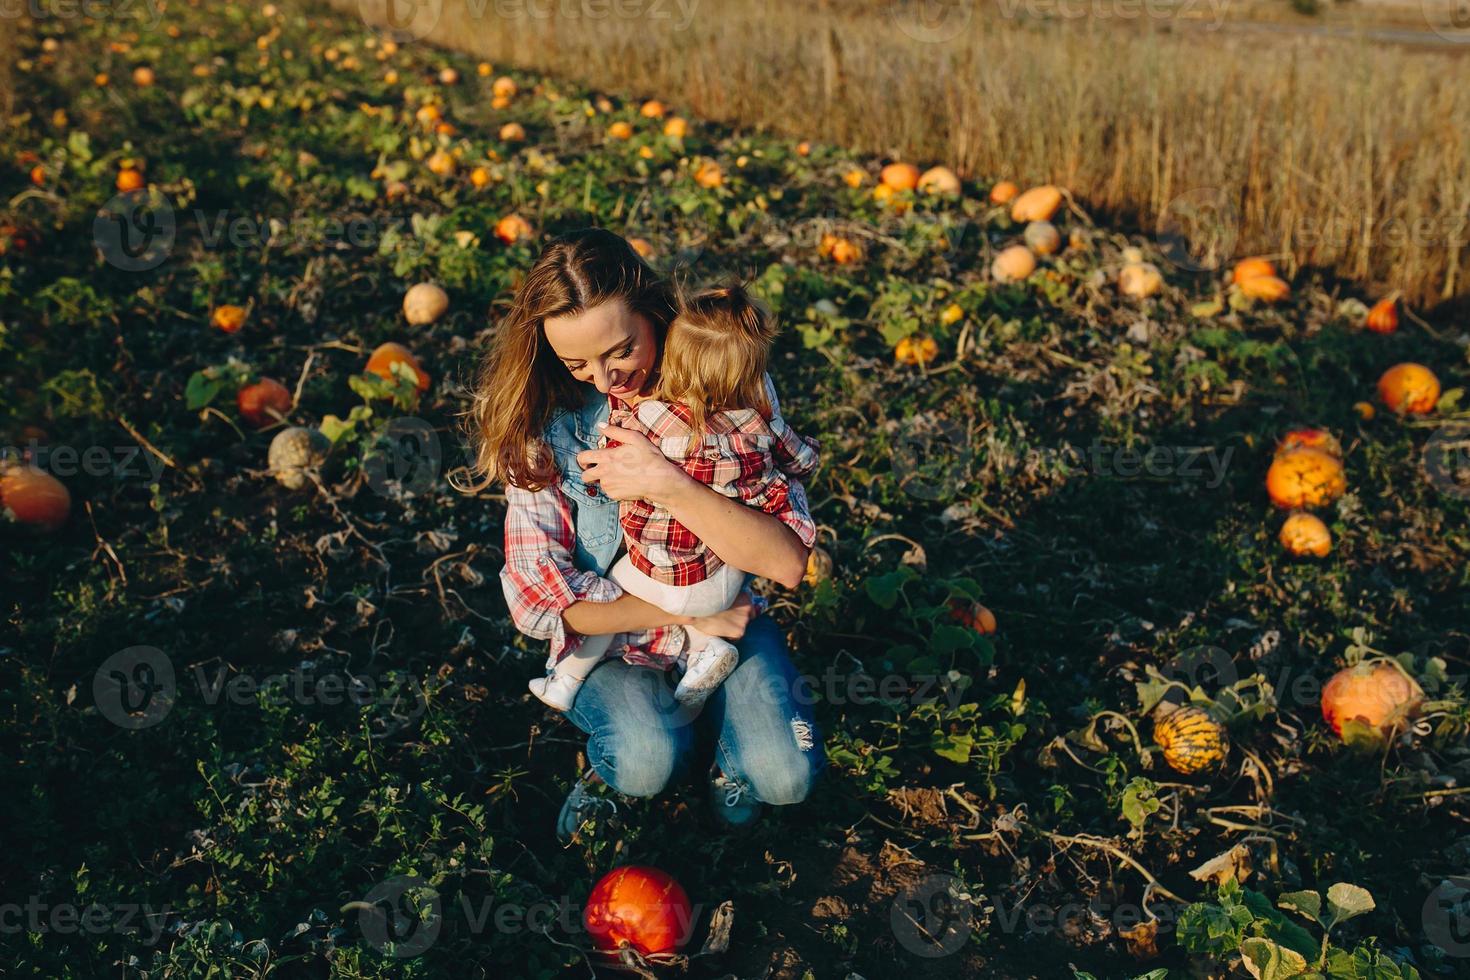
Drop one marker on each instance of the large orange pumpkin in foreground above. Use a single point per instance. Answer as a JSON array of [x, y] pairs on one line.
[[382, 360], [1378, 694], [33, 497], [1409, 389], [1305, 478], [641, 907]]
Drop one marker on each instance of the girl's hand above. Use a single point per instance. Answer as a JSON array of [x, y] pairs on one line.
[[633, 469], [731, 623]]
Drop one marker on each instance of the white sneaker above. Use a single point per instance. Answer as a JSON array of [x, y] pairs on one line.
[[706, 671], [558, 690]]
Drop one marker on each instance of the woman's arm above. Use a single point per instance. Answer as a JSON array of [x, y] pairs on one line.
[[742, 536]]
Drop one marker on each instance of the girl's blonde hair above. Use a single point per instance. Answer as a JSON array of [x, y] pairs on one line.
[[521, 382], [715, 355]]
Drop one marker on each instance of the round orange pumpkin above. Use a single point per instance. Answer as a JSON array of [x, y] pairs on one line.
[[1252, 268], [512, 228], [382, 360], [512, 132], [1140, 280], [676, 127], [900, 176], [620, 130], [1042, 237], [917, 349], [1305, 534], [1037, 204], [261, 402], [940, 180], [1305, 478], [1013, 264], [1377, 694], [33, 497], [1004, 192], [504, 87], [841, 250], [652, 109], [143, 76], [708, 174], [1267, 289], [818, 566], [228, 318], [1409, 389], [973, 615], [129, 180], [640, 907], [854, 178], [1384, 316]]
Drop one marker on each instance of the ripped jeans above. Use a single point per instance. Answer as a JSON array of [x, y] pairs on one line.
[[759, 725]]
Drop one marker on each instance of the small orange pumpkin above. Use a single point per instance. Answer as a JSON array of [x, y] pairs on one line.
[[1251, 268], [129, 180], [941, 181], [854, 178], [842, 251], [652, 109], [512, 132], [263, 402], [1310, 438], [228, 318], [1267, 289], [143, 76], [441, 162], [1004, 192], [900, 176], [1013, 264], [386, 355], [973, 615], [33, 497], [512, 228], [504, 87], [917, 349], [1305, 478], [676, 127], [1384, 316], [708, 174], [1306, 534], [1409, 389], [620, 130]]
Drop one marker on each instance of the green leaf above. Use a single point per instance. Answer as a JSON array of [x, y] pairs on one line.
[[1308, 904], [947, 639], [955, 748], [201, 390], [1346, 901], [1269, 961], [885, 589]]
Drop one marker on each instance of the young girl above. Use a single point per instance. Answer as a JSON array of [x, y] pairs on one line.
[[711, 414]]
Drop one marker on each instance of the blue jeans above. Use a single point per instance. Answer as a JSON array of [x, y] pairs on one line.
[[640, 740]]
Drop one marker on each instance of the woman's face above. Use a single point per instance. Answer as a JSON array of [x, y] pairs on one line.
[[608, 346]]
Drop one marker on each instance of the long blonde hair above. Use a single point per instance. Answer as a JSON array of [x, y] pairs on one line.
[[521, 381], [715, 355]]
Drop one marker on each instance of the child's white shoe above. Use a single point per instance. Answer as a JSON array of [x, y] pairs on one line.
[[707, 670], [558, 690]]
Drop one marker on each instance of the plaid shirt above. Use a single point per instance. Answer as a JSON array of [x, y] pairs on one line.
[[743, 456], [541, 579]]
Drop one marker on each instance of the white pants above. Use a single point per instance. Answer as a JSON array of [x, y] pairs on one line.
[[715, 594]]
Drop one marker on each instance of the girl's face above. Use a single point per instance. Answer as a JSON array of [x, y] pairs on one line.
[[608, 346]]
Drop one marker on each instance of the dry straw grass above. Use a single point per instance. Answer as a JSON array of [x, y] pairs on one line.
[[1342, 154]]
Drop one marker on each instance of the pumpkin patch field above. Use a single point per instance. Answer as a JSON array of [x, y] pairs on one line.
[[1137, 630]]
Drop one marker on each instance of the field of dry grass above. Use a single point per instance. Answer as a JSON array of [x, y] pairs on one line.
[[1342, 154]]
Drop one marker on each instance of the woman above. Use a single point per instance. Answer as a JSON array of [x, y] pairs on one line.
[[588, 323]]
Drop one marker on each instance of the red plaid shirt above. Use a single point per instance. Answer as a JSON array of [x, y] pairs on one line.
[[743, 455]]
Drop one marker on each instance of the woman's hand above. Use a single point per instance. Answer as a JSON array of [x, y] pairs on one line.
[[633, 469], [731, 623]]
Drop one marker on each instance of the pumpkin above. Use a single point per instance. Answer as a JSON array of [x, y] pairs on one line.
[[427, 115], [479, 177], [620, 130], [33, 497], [483, 69], [1384, 316], [390, 77], [512, 228], [228, 318], [888, 197], [1304, 534], [708, 174], [1013, 264], [512, 132], [263, 402], [643, 247], [1409, 389], [441, 162], [500, 102], [1037, 204], [1004, 192], [841, 250], [940, 180], [1042, 237], [918, 349], [382, 360], [143, 76], [900, 176], [295, 453], [652, 109], [676, 127], [1377, 694], [1365, 410], [1252, 268], [638, 907], [1140, 280], [1192, 740], [1305, 478], [1310, 438], [953, 313], [129, 180], [1267, 289], [854, 178], [818, 566], [503, 87], [448, 76], [424, 303], [38, 175], [973, 615], [803, 149]]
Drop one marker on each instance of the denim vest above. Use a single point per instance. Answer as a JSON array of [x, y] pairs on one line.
[[594, 515]]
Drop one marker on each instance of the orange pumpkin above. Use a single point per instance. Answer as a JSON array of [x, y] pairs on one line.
[[38, 175], [129, 180], [1252, 268], [818, 566], [1306, 534], [448, 76], [620, 130], [512, 132], [32, 497], [638, 907], [940, 180], [1013, 264], [1140, 280], [973, 615], [441, 162], [841, 250], [1042, 237], [676, 127], [483, 69], [504, 87], [1004, 192], [1037, 204], [512, 228], [1267, 289], [143, 76], [1384, 316], [479, 177], [900, 176], [1409, 389], [916, 350], [428, 115], [382, 360], [643, 247], [854, 178], [803, 149], [652, 109], [1305, 478], [1377, 694], [263, 402], [228, 318], [708, 174], [1310, 438]]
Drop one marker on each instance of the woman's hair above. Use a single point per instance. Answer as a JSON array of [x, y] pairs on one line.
[[715, 355], [521, 381]]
